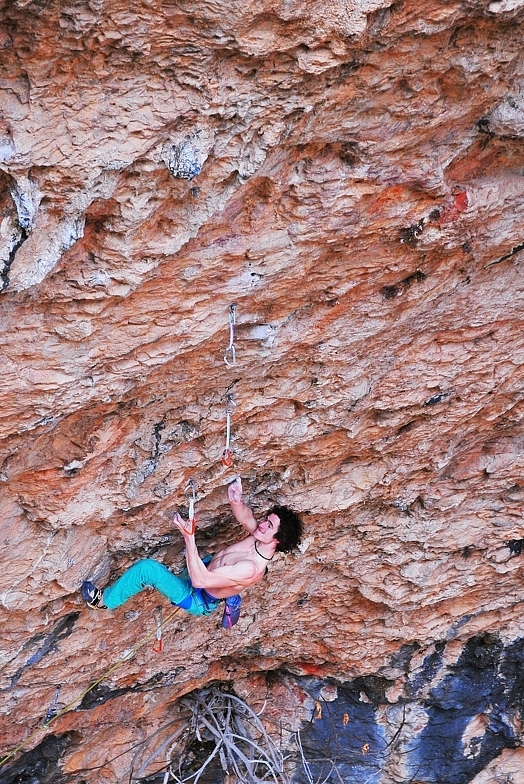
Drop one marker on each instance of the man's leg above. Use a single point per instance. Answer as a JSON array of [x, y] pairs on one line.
[[143, 574]]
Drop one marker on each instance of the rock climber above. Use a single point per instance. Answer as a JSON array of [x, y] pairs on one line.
[[204, 584]]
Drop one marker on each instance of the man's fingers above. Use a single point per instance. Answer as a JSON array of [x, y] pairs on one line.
[[185, 526], [234, 490]]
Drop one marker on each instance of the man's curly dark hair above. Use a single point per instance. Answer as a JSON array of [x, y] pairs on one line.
[[290, 531]]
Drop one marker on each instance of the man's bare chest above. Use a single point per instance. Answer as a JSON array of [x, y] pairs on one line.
[[231, 555]]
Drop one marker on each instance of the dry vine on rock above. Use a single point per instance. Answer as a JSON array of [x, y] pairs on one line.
[[235, 735]]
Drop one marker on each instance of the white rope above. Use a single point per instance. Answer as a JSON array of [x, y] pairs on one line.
[[227, 457]]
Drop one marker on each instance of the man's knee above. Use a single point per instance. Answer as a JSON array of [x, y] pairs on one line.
[[146, 570], [149, 566]]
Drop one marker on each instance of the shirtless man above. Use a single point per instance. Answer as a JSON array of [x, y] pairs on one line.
[[205, 583]]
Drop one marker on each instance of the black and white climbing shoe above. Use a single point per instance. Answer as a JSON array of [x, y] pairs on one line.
[[92, 595]]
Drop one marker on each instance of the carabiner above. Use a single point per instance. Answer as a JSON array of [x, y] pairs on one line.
[[230, 350], [158, 645], [227, 458]]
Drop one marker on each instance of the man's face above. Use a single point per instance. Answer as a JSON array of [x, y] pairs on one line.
[[267, 528]]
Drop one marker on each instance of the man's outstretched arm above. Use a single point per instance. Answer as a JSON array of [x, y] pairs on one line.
[[241, 511], [226, 577]]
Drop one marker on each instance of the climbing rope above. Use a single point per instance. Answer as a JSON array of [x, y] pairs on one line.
[[125, 657], [231, 350], [227, 457]]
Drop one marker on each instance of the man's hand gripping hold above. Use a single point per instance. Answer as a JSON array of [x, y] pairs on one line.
[[186, 527]]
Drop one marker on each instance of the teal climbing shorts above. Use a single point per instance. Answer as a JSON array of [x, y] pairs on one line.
[[176, 588]]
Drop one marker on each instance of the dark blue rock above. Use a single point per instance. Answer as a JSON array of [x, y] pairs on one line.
[[485, 680], [345, 736]]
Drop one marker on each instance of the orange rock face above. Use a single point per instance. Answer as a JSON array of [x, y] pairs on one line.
[[350, 176]]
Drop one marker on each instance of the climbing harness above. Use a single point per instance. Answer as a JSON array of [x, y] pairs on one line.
[[190, 494], [158, 645], [227, 457], [78, 699], [231, 350]]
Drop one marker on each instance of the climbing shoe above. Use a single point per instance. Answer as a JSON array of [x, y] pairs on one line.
[[92, 595]]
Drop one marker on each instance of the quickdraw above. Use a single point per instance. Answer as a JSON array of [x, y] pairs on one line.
[[53, 708], [231, 350], [158, 645], [190, 494], [227, 457]]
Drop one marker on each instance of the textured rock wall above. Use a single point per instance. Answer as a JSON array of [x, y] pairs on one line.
[[350, 176]]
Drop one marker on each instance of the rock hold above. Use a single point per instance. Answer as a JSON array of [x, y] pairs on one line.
[[185, 159]]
